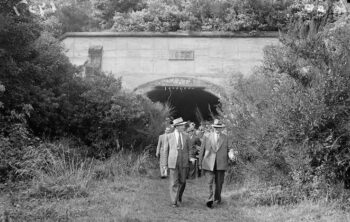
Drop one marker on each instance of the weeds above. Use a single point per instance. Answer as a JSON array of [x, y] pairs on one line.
[[122, 164]]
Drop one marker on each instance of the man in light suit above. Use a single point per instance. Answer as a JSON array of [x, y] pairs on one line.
[[213, 159], [162, 153], [179, 156]]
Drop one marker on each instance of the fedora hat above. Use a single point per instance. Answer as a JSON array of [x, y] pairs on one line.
[[178, 122], [218, 124]]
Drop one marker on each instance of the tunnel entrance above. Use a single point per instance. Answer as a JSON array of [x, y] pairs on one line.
[[191, 103]]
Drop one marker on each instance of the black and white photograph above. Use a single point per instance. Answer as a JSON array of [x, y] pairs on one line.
[[175, 110]]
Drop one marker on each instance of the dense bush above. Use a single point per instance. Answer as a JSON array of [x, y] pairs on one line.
[[291, 118], [44, 97], [108, 119], [166, 16]]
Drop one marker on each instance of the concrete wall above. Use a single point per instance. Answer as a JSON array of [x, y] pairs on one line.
[[140, 57]]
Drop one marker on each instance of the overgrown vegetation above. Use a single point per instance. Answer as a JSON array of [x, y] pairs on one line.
[[291, 118], [228, 15], [165, 16], [44, 97]]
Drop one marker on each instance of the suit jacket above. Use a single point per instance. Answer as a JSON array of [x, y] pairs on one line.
[[212, 152], [162, 150], [172, 154], [194, 142]]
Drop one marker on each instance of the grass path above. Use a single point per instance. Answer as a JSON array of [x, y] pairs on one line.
[[147, 199], [153, 204]]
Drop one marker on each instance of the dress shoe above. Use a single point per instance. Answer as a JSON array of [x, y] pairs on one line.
[[174, 205], [217, 201], [210, 204]]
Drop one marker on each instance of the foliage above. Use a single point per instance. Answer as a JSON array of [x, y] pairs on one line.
[[104, 10], [72, 18], [165, 16], [124, 163], [290, 119], [108, 119], [56, 173], [178, 15], [14, 140], [43, 96]]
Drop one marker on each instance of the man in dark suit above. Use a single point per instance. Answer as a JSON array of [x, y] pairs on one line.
[[195, 142], [213, 159], [178, 158], [161, 153]]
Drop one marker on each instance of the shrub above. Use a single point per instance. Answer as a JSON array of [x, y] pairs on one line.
[[108, 119], [205, 15], [15, 139], [290, 118]]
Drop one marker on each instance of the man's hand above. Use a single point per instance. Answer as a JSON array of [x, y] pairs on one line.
[[193, 160], [232, 155]]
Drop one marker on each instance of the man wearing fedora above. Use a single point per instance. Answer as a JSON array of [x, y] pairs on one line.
[[213, 159], [179, 155], [161, 153]]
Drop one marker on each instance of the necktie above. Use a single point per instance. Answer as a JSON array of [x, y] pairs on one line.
[[179, 144]]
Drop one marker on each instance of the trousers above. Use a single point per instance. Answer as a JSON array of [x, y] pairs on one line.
[[216, 178]]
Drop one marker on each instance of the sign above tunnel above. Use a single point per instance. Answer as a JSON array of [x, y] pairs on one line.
[[181, 55], [182, 83]]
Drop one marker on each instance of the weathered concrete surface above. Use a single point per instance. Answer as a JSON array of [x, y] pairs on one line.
[[144, 57]]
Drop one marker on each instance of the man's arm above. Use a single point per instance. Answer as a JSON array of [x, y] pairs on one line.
[[166, 148], [159, 145], [201, 152]]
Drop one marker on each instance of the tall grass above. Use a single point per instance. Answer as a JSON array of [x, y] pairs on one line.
[[122, 164], [58, 171]]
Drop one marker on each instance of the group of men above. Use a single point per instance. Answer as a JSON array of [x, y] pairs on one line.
[[177, 153]]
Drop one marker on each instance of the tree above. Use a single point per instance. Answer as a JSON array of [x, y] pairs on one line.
[[106, 9]]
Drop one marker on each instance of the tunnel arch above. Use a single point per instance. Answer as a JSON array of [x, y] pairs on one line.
[[193, 99], [182, 82]]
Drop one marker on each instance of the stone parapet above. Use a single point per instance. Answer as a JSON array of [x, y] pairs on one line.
[[252, 34]]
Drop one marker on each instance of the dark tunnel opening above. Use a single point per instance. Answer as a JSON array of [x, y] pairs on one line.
[[192, 104]]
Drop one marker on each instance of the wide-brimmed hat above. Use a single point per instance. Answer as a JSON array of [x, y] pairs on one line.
[[218, 124], [178, 122]]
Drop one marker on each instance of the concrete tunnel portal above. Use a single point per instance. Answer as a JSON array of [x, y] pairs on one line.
[[187, 70], [191, 103], [192, 99]]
